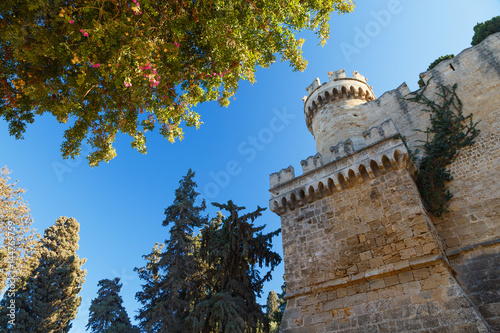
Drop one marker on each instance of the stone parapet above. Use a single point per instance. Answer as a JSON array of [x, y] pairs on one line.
[[363, 165], [339, 88], [386, 150]]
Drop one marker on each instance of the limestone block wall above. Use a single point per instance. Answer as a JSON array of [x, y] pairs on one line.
[[478, 273], [425, 299], [365, 256], [361, 253], [471, 231]]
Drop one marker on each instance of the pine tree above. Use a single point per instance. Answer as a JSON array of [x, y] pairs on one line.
[[17, 240], [176, 266], [48, 301], [232, 249], [107, 314], [150, 297]]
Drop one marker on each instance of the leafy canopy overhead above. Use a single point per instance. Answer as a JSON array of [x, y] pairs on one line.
[[110, 66]]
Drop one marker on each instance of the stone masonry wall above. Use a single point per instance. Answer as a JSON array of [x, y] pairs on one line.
[[478, 271], [367, 260], [367, 257], [367, 227], [418, 300], [475, 209]]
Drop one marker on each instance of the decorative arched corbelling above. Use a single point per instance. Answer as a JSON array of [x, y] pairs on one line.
[[327, 96], [283, 204], [386, 163], [322, 97], [340, 181], [380, 165], [276, 206], [361, 93], [400, 159], [310, 194], [293, 201], [352, 177], [358, 175], [364, 173], [371, 172], [375, 168]]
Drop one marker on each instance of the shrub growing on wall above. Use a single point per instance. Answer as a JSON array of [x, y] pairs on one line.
[[438, 60], [483, 30]]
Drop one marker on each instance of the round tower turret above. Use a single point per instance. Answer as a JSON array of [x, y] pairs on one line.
[[331, 113]]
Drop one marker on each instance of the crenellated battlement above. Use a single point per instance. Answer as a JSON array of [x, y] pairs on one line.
[[384, 151], [338, 89], [311, 163], [381, 132], [361, 166], [282, 176], [385, 130]]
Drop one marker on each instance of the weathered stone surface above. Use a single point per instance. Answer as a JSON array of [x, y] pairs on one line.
[[361, 252]]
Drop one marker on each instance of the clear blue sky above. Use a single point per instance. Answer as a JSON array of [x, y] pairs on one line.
[[120, 205]]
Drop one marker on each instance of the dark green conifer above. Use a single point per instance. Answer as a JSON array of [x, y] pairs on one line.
[[167, 295], [49, 300], [233, 248], [107, 314], [152, 310]]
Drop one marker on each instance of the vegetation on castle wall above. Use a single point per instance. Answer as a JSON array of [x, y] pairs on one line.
[[438, 60], [450, 131], [433, 64], [483, 30]]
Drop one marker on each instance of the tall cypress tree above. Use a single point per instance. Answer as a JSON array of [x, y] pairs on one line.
[[48, 301], [233, 248], [272, 310], [170, 281], [107, 314]]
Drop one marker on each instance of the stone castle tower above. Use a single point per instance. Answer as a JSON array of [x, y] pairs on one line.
[[361, 252]]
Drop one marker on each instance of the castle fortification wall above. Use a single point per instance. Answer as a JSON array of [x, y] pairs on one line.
[[361, 252]]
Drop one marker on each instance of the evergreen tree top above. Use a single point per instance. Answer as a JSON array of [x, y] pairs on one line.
[[62, 237], [184, 211], [107, 313], [49, 300]]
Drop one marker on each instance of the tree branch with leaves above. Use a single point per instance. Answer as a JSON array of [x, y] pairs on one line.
[[130, 66]]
